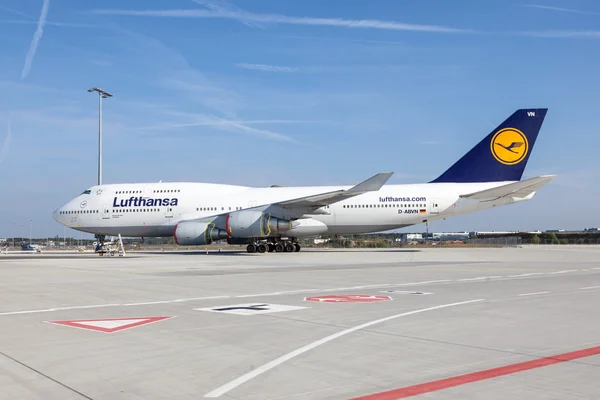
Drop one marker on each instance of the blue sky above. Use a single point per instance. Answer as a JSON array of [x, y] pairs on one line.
[[289, 92]]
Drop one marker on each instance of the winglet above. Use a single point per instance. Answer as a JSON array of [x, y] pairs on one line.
[[372, 184]]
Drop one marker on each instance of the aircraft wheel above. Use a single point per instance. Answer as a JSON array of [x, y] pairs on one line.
[[278, 248], [262, 248], [289, 247], [297, 247], [251, 248], [271, 247]]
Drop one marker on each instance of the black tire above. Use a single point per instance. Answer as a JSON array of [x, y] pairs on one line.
[[251, 248], [297, 247], [290, 248], [271, 247], [278, 248], [262, 248]]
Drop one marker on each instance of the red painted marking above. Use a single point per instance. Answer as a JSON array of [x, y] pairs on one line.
[[348, 298], [480, 376], [227, 229], [175, 234], [92, 324]]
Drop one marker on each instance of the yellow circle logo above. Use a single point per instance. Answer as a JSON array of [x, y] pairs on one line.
[[509, 146]]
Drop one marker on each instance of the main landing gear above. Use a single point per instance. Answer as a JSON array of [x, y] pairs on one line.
[[270, 247]]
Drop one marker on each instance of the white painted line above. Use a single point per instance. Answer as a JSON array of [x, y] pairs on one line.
[[530, 274], [533, 294], [479, 278], [423, 283], [590, 287], [278, 361], [282, 293], [596, 268], [57, 309], [562, 272]]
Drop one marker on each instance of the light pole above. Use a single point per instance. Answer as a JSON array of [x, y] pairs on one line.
[[102, 94], [30, 223]]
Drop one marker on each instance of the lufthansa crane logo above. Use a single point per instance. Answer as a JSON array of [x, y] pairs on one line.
[[509, 146]]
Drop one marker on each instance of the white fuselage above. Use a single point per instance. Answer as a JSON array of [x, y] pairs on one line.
[[154, 209]]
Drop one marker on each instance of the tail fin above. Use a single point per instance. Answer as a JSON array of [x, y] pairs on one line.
[[502, 155]]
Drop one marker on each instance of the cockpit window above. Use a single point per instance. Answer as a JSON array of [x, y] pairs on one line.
[[87, 191]]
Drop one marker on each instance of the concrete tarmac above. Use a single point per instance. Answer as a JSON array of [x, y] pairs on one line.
[[514, 323]]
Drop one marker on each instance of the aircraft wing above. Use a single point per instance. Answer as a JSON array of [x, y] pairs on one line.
[[296, 208], [315, 201], [519, 189]]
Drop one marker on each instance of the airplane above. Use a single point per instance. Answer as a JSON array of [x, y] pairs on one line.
[[274, 219]]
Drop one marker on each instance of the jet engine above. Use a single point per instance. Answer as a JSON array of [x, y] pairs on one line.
[[194, 233], [255, 223]]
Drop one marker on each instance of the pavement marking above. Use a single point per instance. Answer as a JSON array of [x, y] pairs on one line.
[[281, 293], [479, 278], [406, 292], [109, 325], [278, 361], [251, 308], [424, 283], [532, 294], [300, 291], [562, 272], [58, 309], [442, 384], [529, 274], [590, 287]]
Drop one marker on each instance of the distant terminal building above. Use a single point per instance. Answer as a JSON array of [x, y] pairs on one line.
[[434, 236], [475, 234]]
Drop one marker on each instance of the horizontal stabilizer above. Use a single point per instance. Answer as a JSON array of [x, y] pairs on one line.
[[519, 189]]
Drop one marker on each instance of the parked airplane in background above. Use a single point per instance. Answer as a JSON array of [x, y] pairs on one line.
[[274, 218]]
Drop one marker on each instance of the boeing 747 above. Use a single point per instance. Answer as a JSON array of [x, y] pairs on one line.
[[275, 218]]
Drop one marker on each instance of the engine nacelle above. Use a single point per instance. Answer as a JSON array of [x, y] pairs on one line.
[[307, 227], [251, 223], [195, 233]]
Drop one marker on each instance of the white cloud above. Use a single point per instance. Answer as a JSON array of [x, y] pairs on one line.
[[228, 126], [223, 6], [564, 34], [36, 39], [559, 9], [267, 68], [283, 19], [6, 146], [215, 103], [213, 122]]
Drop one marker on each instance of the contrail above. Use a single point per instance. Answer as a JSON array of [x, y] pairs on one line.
[[36, 38], [6, 146]]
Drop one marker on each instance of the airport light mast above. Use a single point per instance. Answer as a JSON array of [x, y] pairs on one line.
[[102, 94]]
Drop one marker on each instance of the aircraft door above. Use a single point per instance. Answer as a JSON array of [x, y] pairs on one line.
[[169, 212], [434, 206], [106, 211]]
